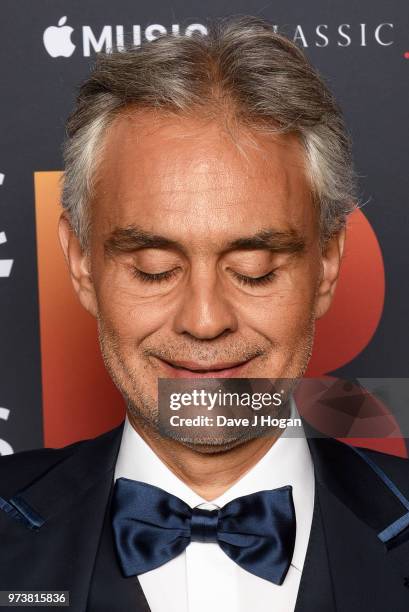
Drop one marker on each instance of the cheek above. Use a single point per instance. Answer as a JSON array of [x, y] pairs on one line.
[[285, 315], [126, 317], [283, 323]]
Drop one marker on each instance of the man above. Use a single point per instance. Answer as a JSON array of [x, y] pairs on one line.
[[206, 188]]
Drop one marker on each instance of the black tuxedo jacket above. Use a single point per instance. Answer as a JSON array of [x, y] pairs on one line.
[[66, 493]]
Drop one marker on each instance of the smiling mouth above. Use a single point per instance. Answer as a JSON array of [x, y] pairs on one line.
[[190, 369]]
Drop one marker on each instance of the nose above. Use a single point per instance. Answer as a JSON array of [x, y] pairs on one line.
[[205, 313]]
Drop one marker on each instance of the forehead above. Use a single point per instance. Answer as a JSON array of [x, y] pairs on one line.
[[169, 172]]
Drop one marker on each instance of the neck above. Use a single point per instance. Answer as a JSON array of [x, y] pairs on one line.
[[209, 474]]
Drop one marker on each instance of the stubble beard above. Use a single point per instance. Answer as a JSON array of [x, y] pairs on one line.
[[143, 409]]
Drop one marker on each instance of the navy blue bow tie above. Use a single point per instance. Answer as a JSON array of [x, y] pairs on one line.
[[151, 527]]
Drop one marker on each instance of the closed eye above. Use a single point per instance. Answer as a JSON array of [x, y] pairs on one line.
[[255, 281], [157, 277]]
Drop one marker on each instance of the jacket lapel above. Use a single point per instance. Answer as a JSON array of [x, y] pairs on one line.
[[316, 593], [69, 501], [110, 591], [354, 506]]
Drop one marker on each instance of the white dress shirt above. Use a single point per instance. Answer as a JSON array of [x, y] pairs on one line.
[[203, 577]]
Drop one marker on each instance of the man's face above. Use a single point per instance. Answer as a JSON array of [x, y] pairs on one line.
[[204, 255]]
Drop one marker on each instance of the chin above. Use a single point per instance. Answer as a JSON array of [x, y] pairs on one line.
[[217, 448], [208, 445]]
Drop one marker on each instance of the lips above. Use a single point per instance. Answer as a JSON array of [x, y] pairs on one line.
[[191, 369]]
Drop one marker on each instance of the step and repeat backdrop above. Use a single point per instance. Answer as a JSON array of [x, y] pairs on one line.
[[53, 387]]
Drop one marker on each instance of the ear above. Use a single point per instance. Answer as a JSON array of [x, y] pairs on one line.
[[78, 265], [331, 262]]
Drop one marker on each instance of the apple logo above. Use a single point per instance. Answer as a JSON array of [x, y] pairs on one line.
[[57, 39]]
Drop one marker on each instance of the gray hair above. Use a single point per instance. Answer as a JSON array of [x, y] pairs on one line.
[[241, 66]]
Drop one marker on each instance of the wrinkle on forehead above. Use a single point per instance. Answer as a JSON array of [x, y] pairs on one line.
[[172, 163]]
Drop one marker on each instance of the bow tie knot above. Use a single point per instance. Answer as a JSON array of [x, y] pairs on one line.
[[151, 527], [203, 525]]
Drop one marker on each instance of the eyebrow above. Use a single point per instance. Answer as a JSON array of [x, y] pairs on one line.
[[289, 241], [133, 238]]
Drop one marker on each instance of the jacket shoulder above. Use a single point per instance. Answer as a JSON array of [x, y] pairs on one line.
[[24, 467], [19, 470]]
